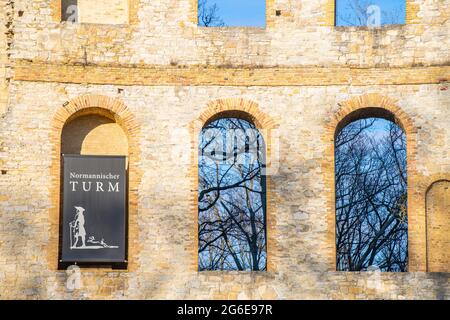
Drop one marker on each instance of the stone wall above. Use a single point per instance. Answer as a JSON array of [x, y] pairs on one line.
[[164, 33], [299, 248], [159, 78], [5, 39]]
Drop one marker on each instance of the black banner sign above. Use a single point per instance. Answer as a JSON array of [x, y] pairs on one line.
[[94, 209]]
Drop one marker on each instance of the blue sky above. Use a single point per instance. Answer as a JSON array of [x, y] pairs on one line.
[[392, 11], [253, 12], [242, 13], [380, 129]]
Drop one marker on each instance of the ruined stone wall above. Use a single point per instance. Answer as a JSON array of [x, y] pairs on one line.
[[165, 32], [5, 40], [162, 77]]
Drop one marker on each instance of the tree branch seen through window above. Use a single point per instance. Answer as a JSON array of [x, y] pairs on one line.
[[232, 197], [208, 14], [371, 197], [371, 13]]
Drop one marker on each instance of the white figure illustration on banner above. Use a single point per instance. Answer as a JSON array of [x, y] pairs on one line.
[[77, 227], [78, 231]]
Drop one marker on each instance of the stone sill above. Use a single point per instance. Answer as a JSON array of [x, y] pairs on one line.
[[366, 28], [98, 25]]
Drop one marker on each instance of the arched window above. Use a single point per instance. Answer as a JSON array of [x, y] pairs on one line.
[[94, 134], [438, 226], [231, 195], [94, 190], [371, 194]]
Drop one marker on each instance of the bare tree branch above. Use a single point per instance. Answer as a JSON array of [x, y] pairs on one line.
[[208, 14]]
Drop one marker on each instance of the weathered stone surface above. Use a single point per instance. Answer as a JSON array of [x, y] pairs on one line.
[[158, 79]]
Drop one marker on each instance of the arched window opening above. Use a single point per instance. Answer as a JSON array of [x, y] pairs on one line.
[[94, 134], [371, 194], [94, 190], [232, 195], [438, 226]]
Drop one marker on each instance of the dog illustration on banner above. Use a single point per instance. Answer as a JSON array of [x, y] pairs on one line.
[[78, 231]]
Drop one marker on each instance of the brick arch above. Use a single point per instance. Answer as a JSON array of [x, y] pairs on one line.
[[250, 111], [238, 105], [113, 109], [427, 182], [376, 105]]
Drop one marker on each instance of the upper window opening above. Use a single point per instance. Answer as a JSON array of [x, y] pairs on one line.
[[231, 197], [96, 12], [371, 197], [232, 13], [370, 13]]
